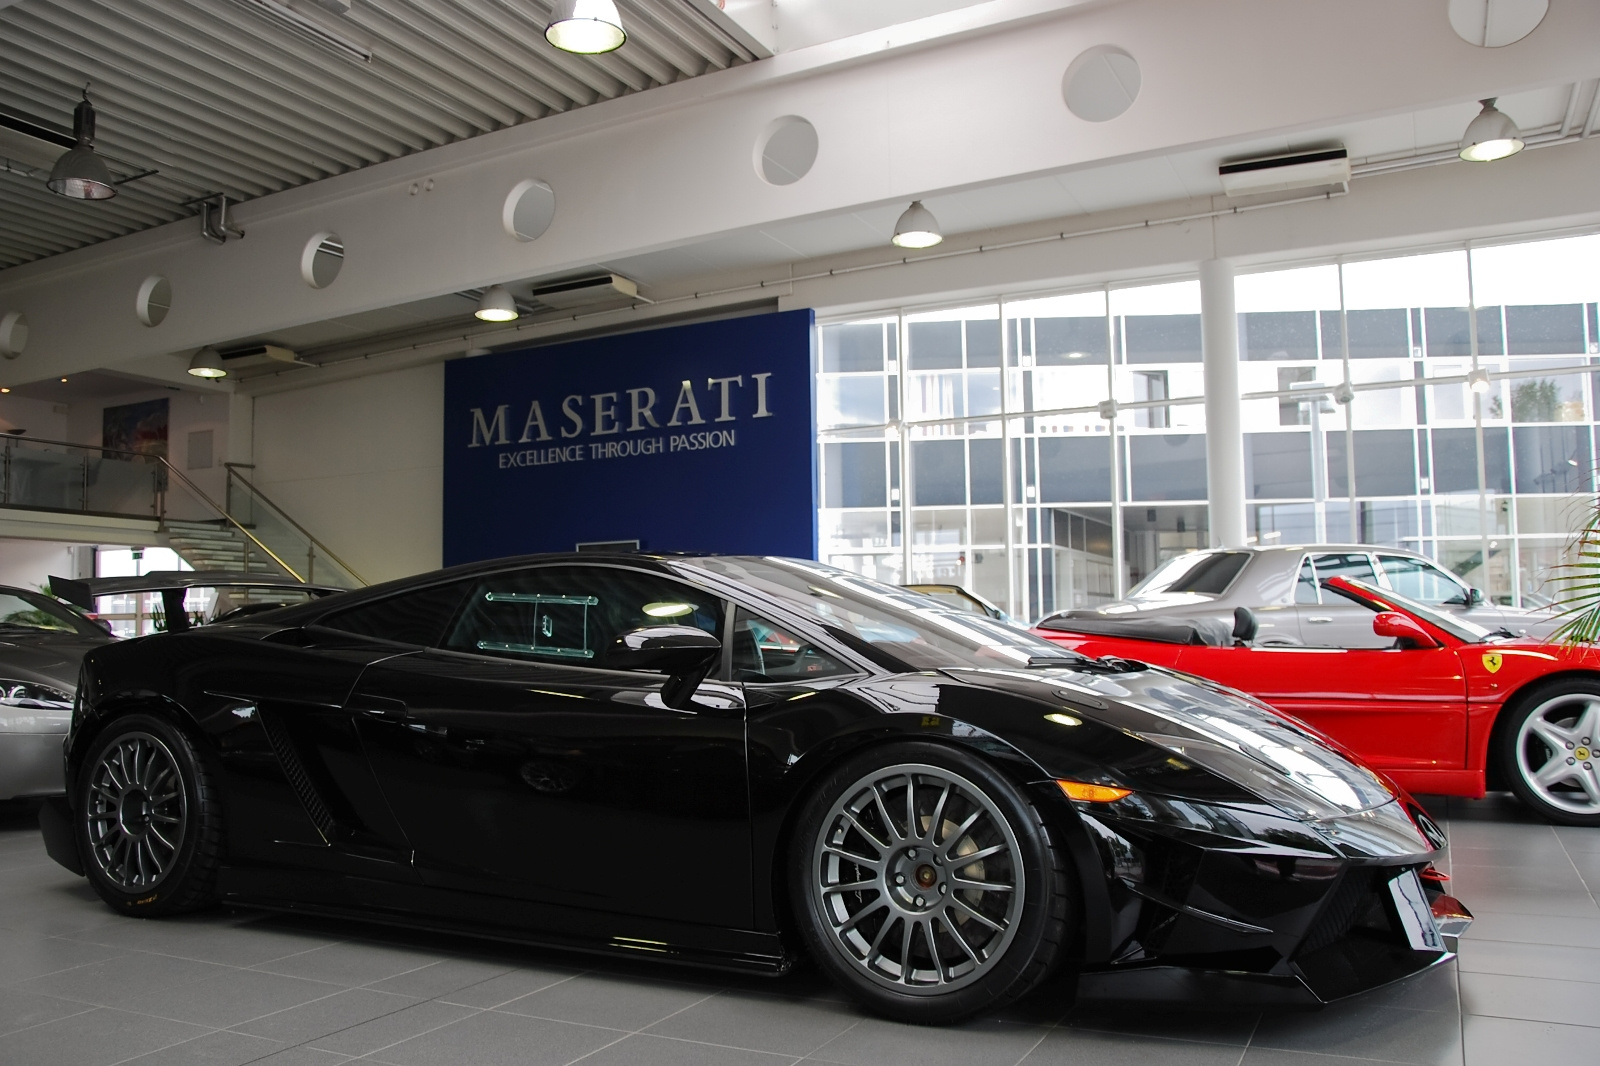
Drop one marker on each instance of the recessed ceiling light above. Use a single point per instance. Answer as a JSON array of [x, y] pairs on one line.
[[587, 27], [917, 228], [1490, 136]]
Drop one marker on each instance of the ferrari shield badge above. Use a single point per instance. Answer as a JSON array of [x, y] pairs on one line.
[[1492, 661]]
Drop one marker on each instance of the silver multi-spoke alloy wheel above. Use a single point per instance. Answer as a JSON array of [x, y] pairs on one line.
[[919, 879], [1556, 754], [136, 812]]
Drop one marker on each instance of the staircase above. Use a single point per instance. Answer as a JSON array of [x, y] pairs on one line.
[[217, 545]]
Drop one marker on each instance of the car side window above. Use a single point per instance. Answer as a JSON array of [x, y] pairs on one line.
[[764, 652], [1305, 586], [1422, 581], [1354, 565], [416, 617], [573, 614]]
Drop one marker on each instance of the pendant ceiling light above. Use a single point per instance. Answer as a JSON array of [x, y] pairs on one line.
[[207, 363], [496, 305], [80, 174], [588, 27], [1492, 135], [1478, 381], [917, 228]]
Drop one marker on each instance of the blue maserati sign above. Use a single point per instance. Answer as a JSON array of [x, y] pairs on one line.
[[689, 438]]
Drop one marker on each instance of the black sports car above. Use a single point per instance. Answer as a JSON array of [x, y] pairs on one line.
[[731, 761]]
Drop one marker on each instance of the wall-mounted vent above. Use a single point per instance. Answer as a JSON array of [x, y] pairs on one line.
[[248, 360], [585, 291], [1297, 170]]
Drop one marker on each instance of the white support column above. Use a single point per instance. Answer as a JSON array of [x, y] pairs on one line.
[[1219, 327]]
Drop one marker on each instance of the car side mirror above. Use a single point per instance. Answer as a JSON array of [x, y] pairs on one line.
[[1401, 627], [1474, 597], [685, 654]]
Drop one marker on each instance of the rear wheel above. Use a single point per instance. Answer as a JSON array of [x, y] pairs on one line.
[[148, 823], [1547, 751], [926, 883]]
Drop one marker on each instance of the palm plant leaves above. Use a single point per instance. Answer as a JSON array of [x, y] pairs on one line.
[[1579, 599]]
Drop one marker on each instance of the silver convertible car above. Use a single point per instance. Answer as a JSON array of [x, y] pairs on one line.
[[1282, 587]]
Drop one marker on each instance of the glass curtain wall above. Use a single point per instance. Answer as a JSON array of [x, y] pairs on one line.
[[972, 446]]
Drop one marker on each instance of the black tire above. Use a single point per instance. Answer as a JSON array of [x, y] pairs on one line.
[[148, 820], [1546, 749], [1006, 945]]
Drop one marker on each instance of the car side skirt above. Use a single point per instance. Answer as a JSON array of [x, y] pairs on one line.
[[504, 919]]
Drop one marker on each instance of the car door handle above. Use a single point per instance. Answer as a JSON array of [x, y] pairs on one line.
[[380, 707], [1319, 619]]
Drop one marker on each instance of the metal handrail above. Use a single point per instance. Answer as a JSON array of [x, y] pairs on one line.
[[174, 471], [233, 474]]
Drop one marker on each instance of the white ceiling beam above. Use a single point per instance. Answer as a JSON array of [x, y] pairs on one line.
[[900, 113]]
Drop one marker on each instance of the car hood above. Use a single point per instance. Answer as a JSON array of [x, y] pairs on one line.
[[1282, 762], [50, 659]]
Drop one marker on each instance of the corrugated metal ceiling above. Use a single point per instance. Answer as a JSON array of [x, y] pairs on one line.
[[217, 98]]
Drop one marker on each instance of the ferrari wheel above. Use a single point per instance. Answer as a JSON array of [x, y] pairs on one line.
[[927, 884], [148, 826], [1548, 752]]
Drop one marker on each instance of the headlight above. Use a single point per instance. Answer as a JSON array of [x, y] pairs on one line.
[[32, 695]]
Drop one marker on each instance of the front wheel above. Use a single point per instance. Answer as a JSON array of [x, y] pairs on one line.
[[926, 883], [1548, 754], [147, 819]]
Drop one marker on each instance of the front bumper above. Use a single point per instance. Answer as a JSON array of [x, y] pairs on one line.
[[1258, 908]]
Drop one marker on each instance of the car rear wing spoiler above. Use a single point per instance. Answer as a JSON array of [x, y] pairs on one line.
[[173, 585]]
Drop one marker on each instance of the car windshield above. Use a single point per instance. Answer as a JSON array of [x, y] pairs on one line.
[[1209, 573], [913, 629], [37, 614], [1455, 625]]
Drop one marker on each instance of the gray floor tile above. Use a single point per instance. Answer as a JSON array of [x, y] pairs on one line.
[[1259, 1056], [1535, 929], [615, 1002], [875, 1042], [1498, 1041], [209, 937], [94, 1038], [1436, 989], [125, 980], [1531, 901], [1531, 999], [491, 1038], [1365, 1030], [351, 963], [508, 986], [442, 977], [1579, 840], [342, 1010], [1531, 960], [393, 1028], [1556, 875], [221, 1048], [302, 1056], [24, 956], [19, 1009], [779, 1025], [1214, 1026], [1076, 1047], [237, 996], [660, 1051]]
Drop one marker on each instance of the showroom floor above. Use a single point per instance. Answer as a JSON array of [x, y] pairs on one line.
[[83, 987]]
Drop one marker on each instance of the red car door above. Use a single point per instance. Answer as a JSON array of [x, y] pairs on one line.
[[1400, 709]]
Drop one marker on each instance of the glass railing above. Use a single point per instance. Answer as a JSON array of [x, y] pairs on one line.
[[51, 475], [289, 541]]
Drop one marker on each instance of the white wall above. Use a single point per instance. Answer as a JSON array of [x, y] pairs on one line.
[[29, 563], [40, 418], [360, 465], [186, 412]]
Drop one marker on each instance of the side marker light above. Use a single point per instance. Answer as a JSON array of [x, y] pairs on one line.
[[1087, 793]]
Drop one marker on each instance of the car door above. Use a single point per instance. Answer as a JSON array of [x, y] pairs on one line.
[[1399, 709], [519, 764], [1333, 621]]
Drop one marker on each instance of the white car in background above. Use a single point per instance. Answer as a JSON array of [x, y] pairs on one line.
[[1282, 588]]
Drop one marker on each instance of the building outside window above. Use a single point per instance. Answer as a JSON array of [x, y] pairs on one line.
[[1003, 476]]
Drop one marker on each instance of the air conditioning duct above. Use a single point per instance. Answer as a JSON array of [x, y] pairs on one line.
[[255, 356], [585, 291], [1278, 173]]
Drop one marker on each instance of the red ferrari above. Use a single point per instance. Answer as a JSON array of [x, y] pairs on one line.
[[1449, 708]]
